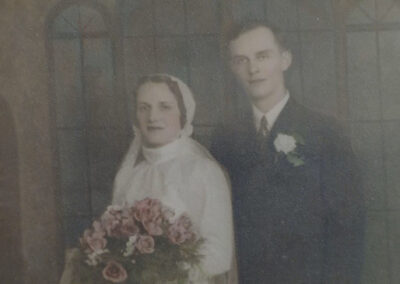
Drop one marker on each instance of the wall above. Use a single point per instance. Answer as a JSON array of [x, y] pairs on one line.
[[24, 86]]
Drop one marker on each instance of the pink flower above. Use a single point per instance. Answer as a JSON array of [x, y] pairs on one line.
[[180, 231], [114, 272], [94, 240], [119, 222], [145, 244], [110, 222], [128, 227], [168, 214], [147, 209], [153, 227]]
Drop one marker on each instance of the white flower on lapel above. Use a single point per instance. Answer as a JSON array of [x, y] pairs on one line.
[[287, 145], [284, 143]]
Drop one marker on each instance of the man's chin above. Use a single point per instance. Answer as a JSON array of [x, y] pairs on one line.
[[258, 94]]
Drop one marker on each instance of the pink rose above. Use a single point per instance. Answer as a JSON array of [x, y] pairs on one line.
[[180, 231], [147, 209], [94, 240], [110, 222], [128, 227], [145, 244], [168, 214], [118, 222], [153, 227], [114, 272]]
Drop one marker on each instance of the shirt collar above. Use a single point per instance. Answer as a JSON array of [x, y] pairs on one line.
[[272, 114]]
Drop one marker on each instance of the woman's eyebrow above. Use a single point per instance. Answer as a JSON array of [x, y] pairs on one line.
[[143, 103], [263, 52]]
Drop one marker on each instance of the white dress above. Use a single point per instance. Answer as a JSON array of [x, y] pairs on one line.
[[185, 178]]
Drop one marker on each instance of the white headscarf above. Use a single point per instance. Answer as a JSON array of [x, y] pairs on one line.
[[134, 149]]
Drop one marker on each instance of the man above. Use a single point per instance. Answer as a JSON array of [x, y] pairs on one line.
[[298, 207]]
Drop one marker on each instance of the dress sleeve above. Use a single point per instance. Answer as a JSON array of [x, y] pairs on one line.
[[216, 225]]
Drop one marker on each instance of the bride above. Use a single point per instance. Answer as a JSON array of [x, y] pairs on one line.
[[164, 162]]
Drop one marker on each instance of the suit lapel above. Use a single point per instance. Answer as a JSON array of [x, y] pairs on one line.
[[284, 124], [246, 147]]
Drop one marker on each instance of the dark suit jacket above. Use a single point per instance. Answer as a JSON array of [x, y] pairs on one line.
[[294, 224]]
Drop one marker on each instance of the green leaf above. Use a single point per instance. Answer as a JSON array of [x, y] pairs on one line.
[[295, 160], [299, 139]]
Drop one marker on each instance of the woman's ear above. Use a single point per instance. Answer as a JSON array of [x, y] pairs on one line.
[[286, 59]]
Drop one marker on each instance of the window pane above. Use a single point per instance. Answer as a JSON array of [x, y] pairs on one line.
[[206, 78], [202, 16], [68, 84], [316, 14], [319, 71], [73, 168], [172, 57], [169, 16], [283, 13], [363, 76], [137, 17], [390, 70], [98, 76]]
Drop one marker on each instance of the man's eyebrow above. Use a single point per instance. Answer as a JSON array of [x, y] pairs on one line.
[[238, 55]]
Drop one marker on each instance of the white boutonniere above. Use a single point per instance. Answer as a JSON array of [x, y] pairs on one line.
[[287, 145]]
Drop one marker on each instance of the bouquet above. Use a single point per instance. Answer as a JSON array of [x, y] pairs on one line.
[[143, 243]]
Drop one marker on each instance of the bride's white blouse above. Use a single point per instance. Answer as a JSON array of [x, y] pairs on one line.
[[184, 177]]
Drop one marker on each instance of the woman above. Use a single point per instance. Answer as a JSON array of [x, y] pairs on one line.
[[163, 162]]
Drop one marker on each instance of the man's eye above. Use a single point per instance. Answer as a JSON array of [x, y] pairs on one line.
[[262, 56]]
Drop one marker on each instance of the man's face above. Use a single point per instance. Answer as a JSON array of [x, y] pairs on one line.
[[258, 63]]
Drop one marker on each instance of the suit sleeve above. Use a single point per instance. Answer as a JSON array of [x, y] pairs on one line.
[[345, 210], [217, 148]]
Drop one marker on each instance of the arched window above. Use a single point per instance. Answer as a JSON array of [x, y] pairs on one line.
[[85, 110]]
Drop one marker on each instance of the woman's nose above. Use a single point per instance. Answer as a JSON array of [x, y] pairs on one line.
[[253, 66], [154, 114]]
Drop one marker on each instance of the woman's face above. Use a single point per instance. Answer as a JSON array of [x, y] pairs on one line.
[[158, 115]]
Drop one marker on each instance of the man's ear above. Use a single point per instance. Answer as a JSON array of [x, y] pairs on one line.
[[286, 59]]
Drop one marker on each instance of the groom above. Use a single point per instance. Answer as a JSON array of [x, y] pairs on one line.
[[298, 206]]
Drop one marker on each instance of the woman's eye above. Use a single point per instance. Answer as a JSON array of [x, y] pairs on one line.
[[166, 107], [143, 108], [262, 56]]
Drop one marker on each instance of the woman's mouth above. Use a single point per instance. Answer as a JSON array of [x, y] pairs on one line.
[[256, 81], [154, 128]]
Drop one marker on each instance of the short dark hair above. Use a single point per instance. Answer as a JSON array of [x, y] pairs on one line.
[[172, 86], [239, 28]]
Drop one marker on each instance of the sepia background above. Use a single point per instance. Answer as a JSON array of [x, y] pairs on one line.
[[68, 69]]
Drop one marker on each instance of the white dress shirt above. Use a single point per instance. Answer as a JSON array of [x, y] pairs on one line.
[[271, 115]]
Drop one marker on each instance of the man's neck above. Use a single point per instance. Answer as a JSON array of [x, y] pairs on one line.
[[267, 103]]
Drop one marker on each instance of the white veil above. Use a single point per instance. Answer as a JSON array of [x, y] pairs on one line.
[[131, 156]]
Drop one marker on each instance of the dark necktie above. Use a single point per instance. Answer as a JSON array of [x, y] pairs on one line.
[[263, 132]]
